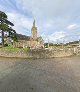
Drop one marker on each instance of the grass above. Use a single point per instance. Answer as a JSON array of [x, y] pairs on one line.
[[9, 48]]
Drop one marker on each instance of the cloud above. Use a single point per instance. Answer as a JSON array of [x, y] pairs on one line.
[[22, 23], [22, 20], [57, 36], [51, 16], [46, 9], [72, 26]]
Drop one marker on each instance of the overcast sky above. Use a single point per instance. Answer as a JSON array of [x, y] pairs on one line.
[[57, 20]]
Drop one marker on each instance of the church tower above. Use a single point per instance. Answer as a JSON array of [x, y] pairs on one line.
[[34, 31]]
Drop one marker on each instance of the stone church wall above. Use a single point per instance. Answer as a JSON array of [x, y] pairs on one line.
[[24, 44]]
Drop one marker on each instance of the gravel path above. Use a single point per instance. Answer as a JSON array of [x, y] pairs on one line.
[[40, 75]]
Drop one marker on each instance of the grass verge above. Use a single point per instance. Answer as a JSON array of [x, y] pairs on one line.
[[9, 48]]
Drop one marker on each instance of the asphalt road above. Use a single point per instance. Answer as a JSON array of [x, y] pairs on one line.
[[40, 75]]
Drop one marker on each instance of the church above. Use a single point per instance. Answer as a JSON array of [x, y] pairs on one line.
[[32, 41]]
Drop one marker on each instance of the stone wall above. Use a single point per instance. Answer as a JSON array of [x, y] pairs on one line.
[[24, 44], [42, 53], [37, 53]]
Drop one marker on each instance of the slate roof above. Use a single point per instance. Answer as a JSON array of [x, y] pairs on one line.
[[27, 38], [23, 37]]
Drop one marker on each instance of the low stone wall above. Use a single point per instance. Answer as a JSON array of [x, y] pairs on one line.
[[38, 53], [51, 53], [17, 54]]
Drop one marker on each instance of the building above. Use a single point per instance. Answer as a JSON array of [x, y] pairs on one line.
[[32, 41], [34, 31]]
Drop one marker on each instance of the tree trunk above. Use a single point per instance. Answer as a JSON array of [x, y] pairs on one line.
[[2, 38]]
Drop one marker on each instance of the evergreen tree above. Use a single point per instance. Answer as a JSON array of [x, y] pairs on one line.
[[5, 26]]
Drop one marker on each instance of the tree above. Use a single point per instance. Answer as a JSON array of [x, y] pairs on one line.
[[5, 26]]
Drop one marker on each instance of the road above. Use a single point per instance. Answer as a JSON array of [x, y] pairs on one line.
[[40, 75]]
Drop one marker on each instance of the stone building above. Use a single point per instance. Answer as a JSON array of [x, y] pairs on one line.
[[34, 31], [32, 41]]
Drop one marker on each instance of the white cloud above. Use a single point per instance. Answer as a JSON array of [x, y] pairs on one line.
[[72, 26], [51, 16], [21, 22], [48, 9], [57, 36]]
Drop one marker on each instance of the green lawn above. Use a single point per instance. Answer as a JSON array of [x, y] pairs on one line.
[[9, 48]]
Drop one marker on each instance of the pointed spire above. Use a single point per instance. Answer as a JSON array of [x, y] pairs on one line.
[[34, 23]]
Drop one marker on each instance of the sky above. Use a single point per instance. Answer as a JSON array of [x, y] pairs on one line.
[[57, 20]]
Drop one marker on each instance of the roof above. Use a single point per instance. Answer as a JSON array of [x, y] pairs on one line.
[[23, 37], [28, 38]]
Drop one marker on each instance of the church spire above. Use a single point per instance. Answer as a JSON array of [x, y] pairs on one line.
[[34, 23], [34, 30]]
